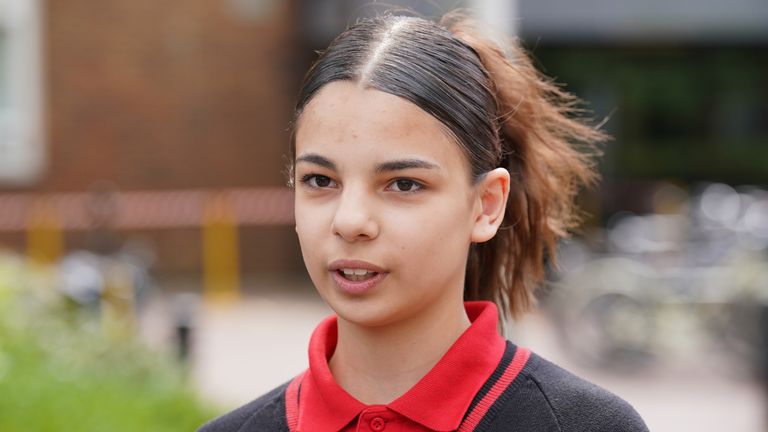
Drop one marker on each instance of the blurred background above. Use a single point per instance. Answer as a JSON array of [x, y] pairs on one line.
[[150, 277]]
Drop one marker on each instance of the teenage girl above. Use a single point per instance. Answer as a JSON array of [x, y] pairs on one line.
[[432, 174]]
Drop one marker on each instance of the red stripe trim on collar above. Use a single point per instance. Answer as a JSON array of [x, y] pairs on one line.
[[292, 403], [510, 373]]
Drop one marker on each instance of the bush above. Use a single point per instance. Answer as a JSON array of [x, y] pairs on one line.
[[63, 369]]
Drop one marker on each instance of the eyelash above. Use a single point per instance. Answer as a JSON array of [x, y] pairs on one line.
[[311, 181], [417, 186], [308, 180]]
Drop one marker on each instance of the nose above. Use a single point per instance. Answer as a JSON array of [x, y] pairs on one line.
[[354, 219]]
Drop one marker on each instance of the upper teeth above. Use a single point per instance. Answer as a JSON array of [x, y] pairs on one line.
[[355, 272]]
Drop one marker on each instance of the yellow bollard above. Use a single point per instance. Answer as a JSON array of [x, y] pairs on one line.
[[45, 241], [221, 264], [117, 301]]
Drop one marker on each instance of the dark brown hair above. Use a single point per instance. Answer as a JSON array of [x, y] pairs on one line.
[[500, 111]]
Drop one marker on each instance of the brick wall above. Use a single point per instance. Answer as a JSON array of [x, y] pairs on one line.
[[173, 94]]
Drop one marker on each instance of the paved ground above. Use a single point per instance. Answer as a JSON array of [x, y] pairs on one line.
[[243, 350]]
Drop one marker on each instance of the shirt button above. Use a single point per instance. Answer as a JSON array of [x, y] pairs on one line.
[[378, 424]]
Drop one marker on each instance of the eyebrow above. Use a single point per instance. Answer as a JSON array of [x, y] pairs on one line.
[[317, 160], [402, 164], [393, 165]]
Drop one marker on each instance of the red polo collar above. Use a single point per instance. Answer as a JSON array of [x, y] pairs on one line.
[[438, 401]]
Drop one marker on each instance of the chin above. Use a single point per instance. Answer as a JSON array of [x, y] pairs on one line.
[[365, 312], [372, 309]]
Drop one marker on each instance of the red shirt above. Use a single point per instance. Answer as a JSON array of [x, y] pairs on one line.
[[437, 402]]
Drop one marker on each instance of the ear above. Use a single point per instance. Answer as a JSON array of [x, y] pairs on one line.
[[492, 193]]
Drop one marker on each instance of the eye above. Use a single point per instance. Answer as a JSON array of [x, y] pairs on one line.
[[405, 185], [318, 181]]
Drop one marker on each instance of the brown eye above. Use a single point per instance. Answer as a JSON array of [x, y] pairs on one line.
[[405, 185], [322, 181], [317, 181]]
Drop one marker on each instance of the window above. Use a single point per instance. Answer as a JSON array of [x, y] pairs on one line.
[[22, 149]]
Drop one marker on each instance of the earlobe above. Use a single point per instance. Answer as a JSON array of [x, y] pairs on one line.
[[493, 191]]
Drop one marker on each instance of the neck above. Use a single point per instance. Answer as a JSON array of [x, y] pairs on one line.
[[376, 365]]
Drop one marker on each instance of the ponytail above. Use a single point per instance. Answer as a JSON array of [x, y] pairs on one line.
[[549, 154]]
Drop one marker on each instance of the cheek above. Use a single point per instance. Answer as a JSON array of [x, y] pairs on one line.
[[309, 229], [436, 232]]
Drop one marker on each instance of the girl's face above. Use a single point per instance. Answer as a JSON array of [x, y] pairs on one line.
[[385, 209]]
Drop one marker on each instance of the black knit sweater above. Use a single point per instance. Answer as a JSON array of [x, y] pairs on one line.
[[543, 397]]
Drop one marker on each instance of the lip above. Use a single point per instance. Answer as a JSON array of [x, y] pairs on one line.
[[350, 263], [356, 287]]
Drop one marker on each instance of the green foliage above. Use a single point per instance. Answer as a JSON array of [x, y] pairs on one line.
[[689, 113], [63, 370]]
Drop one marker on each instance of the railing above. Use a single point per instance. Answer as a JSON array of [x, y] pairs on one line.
[[217, 212]]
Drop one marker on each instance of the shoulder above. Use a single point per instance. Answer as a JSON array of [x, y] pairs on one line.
[[578, 405], [264, 413]]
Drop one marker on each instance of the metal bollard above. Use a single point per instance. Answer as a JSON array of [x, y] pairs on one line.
[[221, 272], [45, 241]]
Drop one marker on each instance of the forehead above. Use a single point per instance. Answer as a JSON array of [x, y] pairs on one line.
[[345, 117]]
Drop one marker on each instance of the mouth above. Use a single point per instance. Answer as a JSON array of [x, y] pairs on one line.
[[356, 277]]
